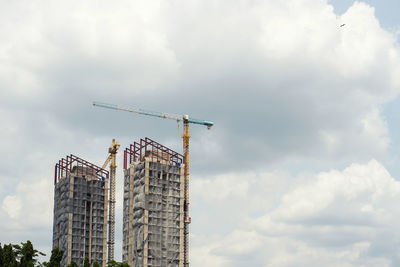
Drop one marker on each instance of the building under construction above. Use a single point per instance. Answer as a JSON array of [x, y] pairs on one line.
[[153, 209], [80, 211]]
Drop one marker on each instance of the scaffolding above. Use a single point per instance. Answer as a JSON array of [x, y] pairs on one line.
[[153, 221], [80, 211]]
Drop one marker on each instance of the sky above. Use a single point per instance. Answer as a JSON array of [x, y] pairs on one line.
[[302, 165]]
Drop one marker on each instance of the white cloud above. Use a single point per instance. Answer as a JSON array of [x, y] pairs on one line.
[[223, 186], [358, 190], [281, 80], [262, 71], [335, 218], [202, 256], [375, 126], [32, 205], [47, 47], [12, 206]]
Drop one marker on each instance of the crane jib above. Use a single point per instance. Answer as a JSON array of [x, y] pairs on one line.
[[206, 123], [105, 105], [162, 115]]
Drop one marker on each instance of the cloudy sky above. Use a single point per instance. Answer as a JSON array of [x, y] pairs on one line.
[[302, 166]]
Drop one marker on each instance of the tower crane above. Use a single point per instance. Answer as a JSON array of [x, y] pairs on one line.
[[186, 121], [111, 215]]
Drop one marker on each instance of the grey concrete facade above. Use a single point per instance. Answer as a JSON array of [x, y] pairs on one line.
[[153, 214], [80, 218]]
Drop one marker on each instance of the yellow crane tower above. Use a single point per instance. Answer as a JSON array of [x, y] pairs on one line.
[[186, 121], [111, 215]]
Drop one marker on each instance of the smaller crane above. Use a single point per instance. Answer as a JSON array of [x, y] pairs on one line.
[[111, 215]]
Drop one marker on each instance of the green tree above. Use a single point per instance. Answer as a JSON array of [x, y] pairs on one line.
[[86, 263], [55, 258], [1, 256], [72, 264], [9, 256], [27, 254], [96, 264], [113, 263]]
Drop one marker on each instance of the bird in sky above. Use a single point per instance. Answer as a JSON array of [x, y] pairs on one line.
[[342, 25]]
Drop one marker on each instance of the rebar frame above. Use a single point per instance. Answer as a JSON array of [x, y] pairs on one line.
[[137, 152], [67, 165]]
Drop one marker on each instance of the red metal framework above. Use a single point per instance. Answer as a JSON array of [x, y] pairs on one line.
[[79, 167], [137, 151]]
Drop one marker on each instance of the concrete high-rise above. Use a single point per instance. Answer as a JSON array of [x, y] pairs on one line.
[[80, 211], [153, 207]]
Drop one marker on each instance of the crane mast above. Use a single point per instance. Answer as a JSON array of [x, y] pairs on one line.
[[187, 219], [111, 215], [185, 137]]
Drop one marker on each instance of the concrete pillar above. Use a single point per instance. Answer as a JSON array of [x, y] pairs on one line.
[[130, 209], [146, 215], [181, 216], [90, 231], [105, 228], [70, 216]]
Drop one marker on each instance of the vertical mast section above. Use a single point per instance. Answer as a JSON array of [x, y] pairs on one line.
[[111, 215], [111, 218], [187, 220]]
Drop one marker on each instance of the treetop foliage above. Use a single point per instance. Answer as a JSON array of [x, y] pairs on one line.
[[117, 264], [25, 255]]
